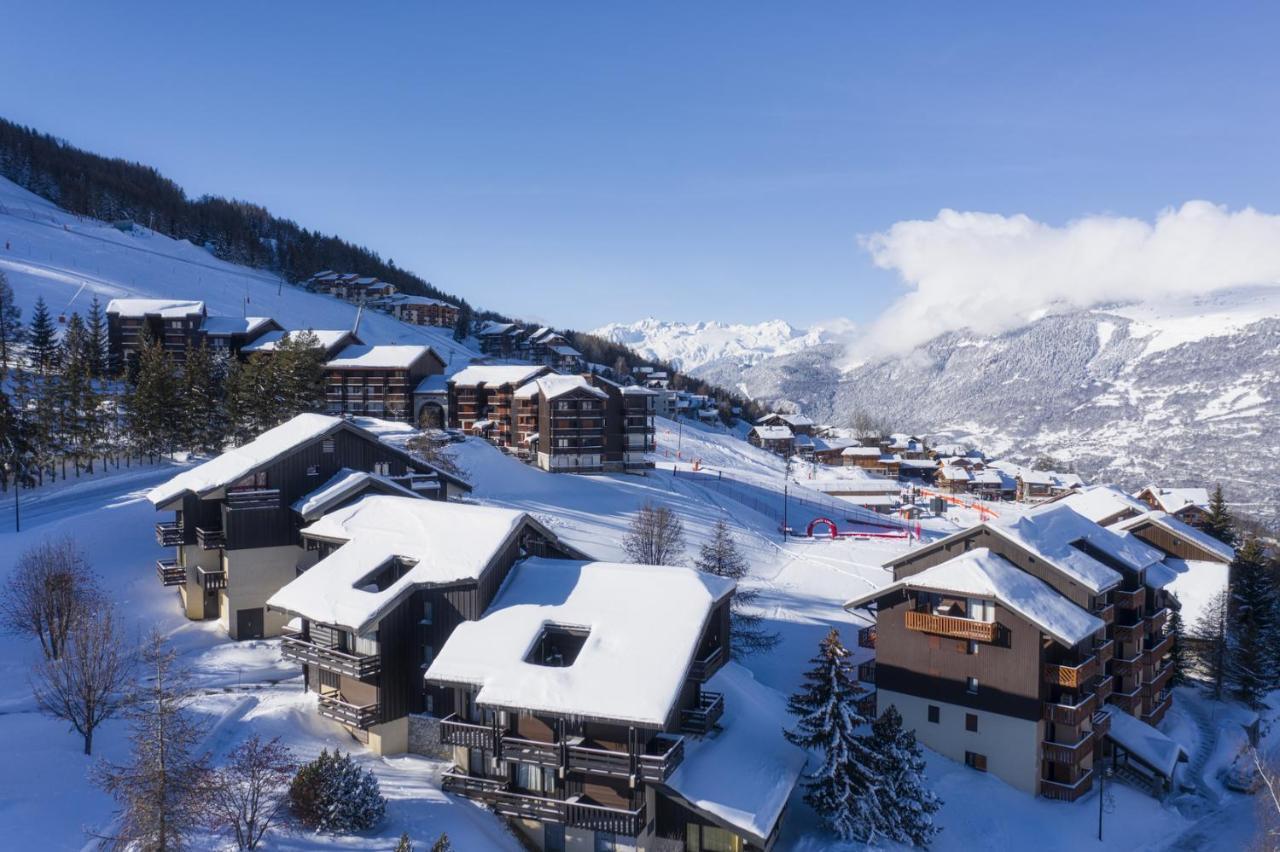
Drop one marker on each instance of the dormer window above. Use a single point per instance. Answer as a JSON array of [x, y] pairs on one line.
[[558, 645]]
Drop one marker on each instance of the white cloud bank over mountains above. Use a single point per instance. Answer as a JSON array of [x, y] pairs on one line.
[[990, 272]]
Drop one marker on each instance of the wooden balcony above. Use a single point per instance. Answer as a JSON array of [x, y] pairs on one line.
[[211, 578], [538, 752], [593, 817], [1070, 714], [867, 671], [334, 707], [256, 498], [661, 758], [575, 812], [1067, 792], [867, 637], [171, 573], [1128, 701], [1134, 599], [1106, 612], [1071, 677], [1156, 713], [703, 717], [1104, 651], [703, 669], [359, 666], [1070, 753], [1157, 620], [168, 534], [947, 625], [1161, 647], [866, 704], [1129, 632], [1121, 666], [210, 539], [1101, 723], [1104, 687], [1159, 681], [455, 732]]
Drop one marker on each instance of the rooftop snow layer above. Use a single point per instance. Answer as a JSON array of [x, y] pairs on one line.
[[382, 357], [744, 775], [1175, 499], [226, 326], [236, 463], [1050, 531], [1100, 502], [645, 622], [554, 385], [1181, 529], [495, 374], [340, 486], [861, 451], [1145, 743], [328, 337], [157, 307], [446, 542], [772, 433], [982, 574]]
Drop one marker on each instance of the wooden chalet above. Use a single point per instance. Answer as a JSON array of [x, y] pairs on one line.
[[1189, 505], [237, 517], [499, 339], [378, 381], [419, 310], [776, 439], [799, 424], [481, 401]]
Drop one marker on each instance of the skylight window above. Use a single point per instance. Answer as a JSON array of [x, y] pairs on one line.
[[558, 645]]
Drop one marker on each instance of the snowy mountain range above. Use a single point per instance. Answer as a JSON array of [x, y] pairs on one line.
[[711, 345], [1184, 391]]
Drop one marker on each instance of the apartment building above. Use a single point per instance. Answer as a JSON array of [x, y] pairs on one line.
[[1011, 647], [378, 381], [481, 400], [331, 341], [419, 310], [237, 517]]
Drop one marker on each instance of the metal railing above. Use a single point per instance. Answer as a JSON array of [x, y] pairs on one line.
[[703, 717], [168, 534]]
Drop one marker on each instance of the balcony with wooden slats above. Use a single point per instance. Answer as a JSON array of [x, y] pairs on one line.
[[168, 533], [1062, 713], [333, 706], [307, 652], [1122, 667], [949, 625], [1134, 599], [1128, 701], [1069, 753], [705, 715], [1067, 792], [1104, 687], [1104, 651], [170, 572], [1161, 647], [702, 669], [1157, 620], [1071, 676], [211, 578], [1156, 713], [576, 812], [1106, 612], [210, 539], [867, 672], [454, 731], [1129, 632]]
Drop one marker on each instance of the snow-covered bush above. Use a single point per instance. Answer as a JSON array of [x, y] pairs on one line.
[[332, 793]]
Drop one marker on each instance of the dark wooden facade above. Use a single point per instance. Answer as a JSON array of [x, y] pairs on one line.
[[384, 392], [125, 334]]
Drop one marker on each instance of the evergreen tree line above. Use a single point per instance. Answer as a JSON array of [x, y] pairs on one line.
[[60, 407]]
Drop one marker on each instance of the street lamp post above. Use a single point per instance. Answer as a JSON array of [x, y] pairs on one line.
[[1103, 775]]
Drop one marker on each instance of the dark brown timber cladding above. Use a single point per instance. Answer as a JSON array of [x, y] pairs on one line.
[[936, 667], [1171, 544]]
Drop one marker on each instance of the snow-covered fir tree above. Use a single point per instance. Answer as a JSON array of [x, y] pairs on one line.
[[906, 802], [96, 325], [1219, 522], [42, 339], [845, 789], [333, 793], [204, 423], [11, 329], [1178, 650], [1253, 630], [720, 556], [152, 403], [1209, 635]]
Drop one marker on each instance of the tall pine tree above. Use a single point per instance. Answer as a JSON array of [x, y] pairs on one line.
[[1253, 631], [1219, 522], [1210, 643], [296, 377], [721, 557], [152, 404], [1178, 650], [906, 802], [97, 340], [462, 325], [204, 422], [11, 330], [43, 338], [845, 789]]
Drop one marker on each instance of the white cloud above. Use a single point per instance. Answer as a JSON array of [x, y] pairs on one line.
[[990, 272]]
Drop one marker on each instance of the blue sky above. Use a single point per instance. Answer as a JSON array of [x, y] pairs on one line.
[[583, 163]]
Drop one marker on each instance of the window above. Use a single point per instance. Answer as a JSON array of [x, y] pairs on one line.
[[975, 761], [382, 468], [934, 713], [971, 685], [972, 649], [710, 838], [429, 703], [326, 446], [428, 612], [971, 722], [313, 470], [428, 654]]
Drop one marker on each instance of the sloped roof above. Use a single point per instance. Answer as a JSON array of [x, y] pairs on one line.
[[1180, 529], [553, 385], [381, 356], [772, 433], [495, 374], [327, 337], [342, 486], [217, 326], [169, 308]]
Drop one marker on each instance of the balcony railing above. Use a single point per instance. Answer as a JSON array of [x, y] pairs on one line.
[[575, 812], [168, 534], [1157, 620], [1131, 598], [702, 718], [1106, 612], [703, 669], [358, 666], [665, 753], [258, 498], [865, 704], [211, 578], [594, 817], [867, 671], [171, 573], [1071, 753], [1129, 632], [1156, 713], [1128, 701], [1101, 723], [357, 715], [1161, 647], [456, 732], [1104, 687], [1104, 651], [948, 625], [1160, 680], [1121, 666], [1067, 792], [1072, 677], [210, 539], [1070, 714], [867, 637]]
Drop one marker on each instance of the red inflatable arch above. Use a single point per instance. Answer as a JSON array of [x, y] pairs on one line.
[[830, 525]]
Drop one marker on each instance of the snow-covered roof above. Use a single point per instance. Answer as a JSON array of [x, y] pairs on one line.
[[497, 328], [1099, 503], [408, 299], [861, 451], [494, 374], [982, 574], [1145, 743], [168, 308], [1196, 585], [637, 390], [630, 669], [1180, 529], [789, 419], [379, 357], [743, 776], [954, 473], [993, 476], [566, 351], [553, 385], [226, 326], [236, 463], [919, 464], [445, 542], [366, 281], [1035, 477], [1174, 500], [328, 337], [1051, 531], [772, 433], [341, 486], [856, 485], [432, 384]]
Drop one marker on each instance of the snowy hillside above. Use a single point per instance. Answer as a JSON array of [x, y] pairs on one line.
[[48, 252], [694, 346]]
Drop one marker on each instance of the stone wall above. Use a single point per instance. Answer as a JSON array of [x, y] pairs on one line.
[[424, 737]]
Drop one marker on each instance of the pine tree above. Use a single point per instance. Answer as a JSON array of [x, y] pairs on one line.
[[97, 340], [905, 801], [721, 557], [1210, 648], [15, 445], [43, 349], [332, 793], [204, 422], [244, 394], [152, 404], [844, 790], [1178, 650], [296, 375], [81, 423], [1219, 522], [11, 330], [462, 325], [161, 788], [1253, 629]]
